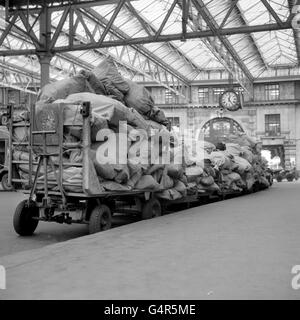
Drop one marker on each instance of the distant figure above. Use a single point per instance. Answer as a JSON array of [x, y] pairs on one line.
[[221, 146], [296, 173]]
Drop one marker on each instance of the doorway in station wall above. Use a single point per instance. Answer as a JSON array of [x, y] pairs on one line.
[[275, 156], [217, 129]]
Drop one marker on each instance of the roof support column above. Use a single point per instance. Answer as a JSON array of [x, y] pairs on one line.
[[189, 93], [45, 60], [44, 53]]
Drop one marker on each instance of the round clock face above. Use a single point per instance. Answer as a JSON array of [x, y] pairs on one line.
[[230, 100]]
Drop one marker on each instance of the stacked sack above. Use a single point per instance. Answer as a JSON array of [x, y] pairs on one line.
[[114, 99], [240, 163]]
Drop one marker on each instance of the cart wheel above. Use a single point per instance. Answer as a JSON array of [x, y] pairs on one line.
[[249, 191], [4, 183], [256, 187], [100, 219], [151, 209], [24, 225]]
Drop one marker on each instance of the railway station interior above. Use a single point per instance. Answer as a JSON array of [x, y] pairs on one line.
[[224, 226]]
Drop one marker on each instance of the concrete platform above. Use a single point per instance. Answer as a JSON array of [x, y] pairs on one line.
[[45, 234], [243, 248]]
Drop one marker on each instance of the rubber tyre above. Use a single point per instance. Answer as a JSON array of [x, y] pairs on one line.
[[4, 183], [23, 223], [256, 187], [100, 219], [249, 191], [151, 209]]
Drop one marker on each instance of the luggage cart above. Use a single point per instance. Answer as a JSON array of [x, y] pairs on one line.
[[50, 199]]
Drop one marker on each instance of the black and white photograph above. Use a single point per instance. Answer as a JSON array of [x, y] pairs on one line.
[[149, 151]]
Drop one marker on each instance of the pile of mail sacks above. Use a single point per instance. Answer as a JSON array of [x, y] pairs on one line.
[[123, 107]]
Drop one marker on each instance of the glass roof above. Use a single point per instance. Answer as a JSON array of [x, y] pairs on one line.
[[261, 54]]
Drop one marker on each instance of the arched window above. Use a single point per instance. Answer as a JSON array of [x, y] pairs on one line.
[[217, 129]]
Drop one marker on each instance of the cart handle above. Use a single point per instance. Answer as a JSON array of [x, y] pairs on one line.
[[44, 132]]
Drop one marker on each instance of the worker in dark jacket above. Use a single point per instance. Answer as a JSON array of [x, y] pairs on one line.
[[221, 146]]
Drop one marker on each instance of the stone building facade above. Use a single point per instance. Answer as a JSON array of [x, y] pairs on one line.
[[272, 116]]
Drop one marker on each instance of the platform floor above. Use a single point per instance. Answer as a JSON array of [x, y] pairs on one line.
[[243, 248]]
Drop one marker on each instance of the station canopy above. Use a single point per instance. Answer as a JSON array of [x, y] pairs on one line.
[[174, 43]]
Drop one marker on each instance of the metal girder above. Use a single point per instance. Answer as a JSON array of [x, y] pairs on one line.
[[241, 16], [23, 86], [29, 29], [295, 32], [154, 73], [25, 27], [185, 13], [222, 55], [174, 37], [60, 60], [156, 37], [22, 44], [272, 11], [7, 65], [166, 18], [16, 79], [16, 52], [58, 31], [152, 31], [64, 63], [142, 51], [232, 6], [210, 21], [132, 68], [121, 35], [143, 23], [54, 5], [105, 38], [110, 22], [217, 48], [7, 29], [59, 28]]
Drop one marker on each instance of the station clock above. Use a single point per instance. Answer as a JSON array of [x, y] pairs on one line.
[[230, 100]]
